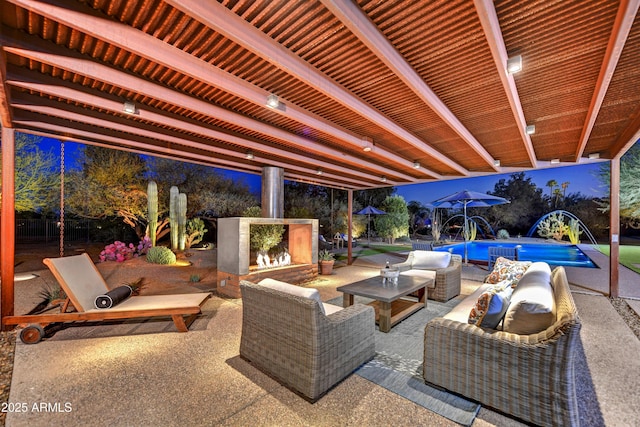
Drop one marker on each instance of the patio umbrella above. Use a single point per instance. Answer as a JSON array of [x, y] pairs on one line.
[[471, 199], [368, 211]]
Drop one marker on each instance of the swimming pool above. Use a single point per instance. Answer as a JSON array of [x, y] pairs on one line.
[[554, 254]]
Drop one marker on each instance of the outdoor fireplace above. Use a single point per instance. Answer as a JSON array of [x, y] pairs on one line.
[[234, 253]]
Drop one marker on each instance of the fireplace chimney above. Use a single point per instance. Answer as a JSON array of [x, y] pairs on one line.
[[272, 192]]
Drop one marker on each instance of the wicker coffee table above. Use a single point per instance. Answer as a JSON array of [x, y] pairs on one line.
[[391, 302]]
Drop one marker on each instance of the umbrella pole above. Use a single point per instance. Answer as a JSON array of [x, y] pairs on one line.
[[465, 232]]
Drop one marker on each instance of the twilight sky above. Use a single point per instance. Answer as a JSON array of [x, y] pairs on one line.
[[582, 178]]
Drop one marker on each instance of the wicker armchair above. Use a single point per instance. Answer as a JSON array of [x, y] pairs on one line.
[[447, 282], [291, 339], [528, 376]]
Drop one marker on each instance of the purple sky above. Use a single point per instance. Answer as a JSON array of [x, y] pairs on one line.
[[581, 179]]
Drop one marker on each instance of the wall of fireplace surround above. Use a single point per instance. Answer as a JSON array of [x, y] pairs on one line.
[[234, 254]]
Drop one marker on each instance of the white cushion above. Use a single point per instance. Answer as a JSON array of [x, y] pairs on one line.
[[533, 307], [430, 259], [330, 308], [299, 291]]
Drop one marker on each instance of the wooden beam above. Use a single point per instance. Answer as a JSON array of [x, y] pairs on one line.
[[226, 22], [93, 118], [108, 138], [350, 223], [157, 51], [350, 14], [620, 32], [614, 227], [7, 224], [5, 95], [491, 26], [31, 48]]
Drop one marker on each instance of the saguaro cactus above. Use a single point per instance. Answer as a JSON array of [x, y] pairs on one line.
[[173, 216], [182, 221], [152, 210]]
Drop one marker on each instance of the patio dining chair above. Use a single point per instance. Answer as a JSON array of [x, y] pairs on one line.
[[500, 251]]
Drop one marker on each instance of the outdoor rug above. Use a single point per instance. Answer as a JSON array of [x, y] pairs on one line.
[[397, 365]]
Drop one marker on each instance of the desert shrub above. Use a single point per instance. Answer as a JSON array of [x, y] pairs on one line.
[[120, 251], [161, 255], [502, 234]]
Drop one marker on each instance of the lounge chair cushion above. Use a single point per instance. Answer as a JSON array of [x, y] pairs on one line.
[[430, 260], [492, 305], [532, 307], [299, 291], [506, 269]]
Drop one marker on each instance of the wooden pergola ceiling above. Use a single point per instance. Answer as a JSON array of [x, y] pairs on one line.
[[422, 83]]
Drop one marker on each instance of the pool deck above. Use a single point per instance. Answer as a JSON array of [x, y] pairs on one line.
[[596, 280]]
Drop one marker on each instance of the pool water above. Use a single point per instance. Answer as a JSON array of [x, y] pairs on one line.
[[554, 254]]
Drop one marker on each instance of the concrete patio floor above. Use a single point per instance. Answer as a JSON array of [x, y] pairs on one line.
[[146, 374]]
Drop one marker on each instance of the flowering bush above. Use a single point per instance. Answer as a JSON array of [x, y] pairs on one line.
[[120, 251]]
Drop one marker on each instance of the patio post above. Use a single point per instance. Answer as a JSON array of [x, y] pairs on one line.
[[614, 227], [350, 223], [7, 224]]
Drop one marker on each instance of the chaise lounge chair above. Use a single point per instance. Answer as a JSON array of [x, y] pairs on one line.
[[82, 282]]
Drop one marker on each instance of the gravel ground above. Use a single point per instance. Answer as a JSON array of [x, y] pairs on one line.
[[7, 347]]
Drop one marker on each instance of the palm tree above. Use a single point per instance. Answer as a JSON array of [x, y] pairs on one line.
[[551, 184], [564, 186]]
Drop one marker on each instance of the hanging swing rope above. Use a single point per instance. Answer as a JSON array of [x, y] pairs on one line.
[[61, 199]]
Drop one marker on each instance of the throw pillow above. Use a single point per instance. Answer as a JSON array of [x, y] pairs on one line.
[[491, 305], [505, 269], [430, 260]]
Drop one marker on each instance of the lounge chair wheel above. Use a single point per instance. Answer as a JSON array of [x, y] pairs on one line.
[[32, 334]]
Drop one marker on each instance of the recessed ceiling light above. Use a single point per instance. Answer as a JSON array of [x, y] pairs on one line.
[[514, 64], [129, 107], [250, 155], [368, 144], [383, 179], [555, 161], [496, 162], [319, 171], [594, 156], [273, 101], [416, 165], [530, 129]]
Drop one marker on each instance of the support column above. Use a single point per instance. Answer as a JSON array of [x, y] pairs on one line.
[[350, 226], [272, 192], [7, 224], [614, 227]]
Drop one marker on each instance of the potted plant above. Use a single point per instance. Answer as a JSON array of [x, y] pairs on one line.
[[326, 261]]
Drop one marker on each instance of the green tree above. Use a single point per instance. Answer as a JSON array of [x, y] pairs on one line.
[[629, 187], [525, 208], [36, 177], [110, 184], [210, 193], [418, 215], [396, 222]]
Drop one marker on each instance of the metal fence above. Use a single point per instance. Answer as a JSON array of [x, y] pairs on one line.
[[48, 230]]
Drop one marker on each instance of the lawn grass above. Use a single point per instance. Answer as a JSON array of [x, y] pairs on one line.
[[629, 256]]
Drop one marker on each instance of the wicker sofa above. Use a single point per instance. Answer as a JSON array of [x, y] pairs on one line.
[[447, 281], [530, 376], [307, 345]]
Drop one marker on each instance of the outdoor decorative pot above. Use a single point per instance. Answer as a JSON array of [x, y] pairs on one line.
[[326, 267]]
